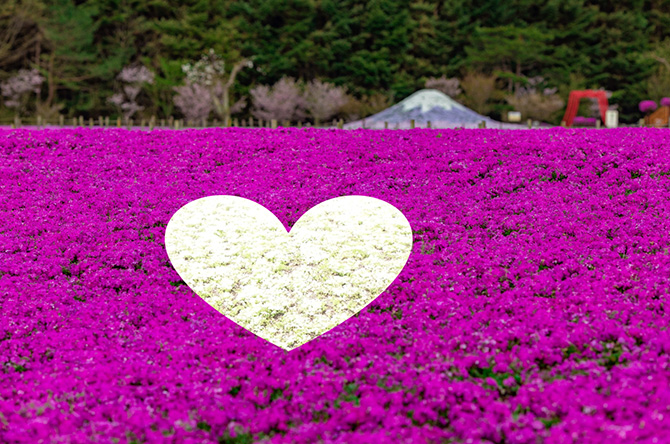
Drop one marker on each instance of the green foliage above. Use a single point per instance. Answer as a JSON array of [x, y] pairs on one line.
[[514, 49], [245, 438], [168, 75]]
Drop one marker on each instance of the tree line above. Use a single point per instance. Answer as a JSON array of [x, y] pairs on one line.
[[155, 57]]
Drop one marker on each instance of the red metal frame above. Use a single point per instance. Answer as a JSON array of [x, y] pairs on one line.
[[576, 96]]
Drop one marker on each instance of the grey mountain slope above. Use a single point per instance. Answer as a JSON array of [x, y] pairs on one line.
[[429, 105]]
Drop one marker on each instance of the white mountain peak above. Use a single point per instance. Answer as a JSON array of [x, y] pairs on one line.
[[428, 99]]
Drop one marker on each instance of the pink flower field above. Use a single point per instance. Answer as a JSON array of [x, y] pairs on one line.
[[531, 310]]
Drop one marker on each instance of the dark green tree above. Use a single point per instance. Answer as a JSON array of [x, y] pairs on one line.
[[72, 62], [514, 50]]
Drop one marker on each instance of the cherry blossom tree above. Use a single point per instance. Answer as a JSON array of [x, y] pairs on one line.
[[324, 100], [134, 77], [283, 101], [17, 89], [209, 72], [194, 101]]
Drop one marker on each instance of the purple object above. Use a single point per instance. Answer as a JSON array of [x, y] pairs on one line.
[[584, 121], [665, 101], [523, 299], [647, 105]]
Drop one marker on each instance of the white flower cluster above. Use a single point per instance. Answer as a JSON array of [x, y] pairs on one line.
[[288, 288], [205, 71]]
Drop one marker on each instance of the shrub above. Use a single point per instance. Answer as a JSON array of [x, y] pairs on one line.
[[355, 109], [478, 90], [647, 106], [534, 104], [450, 87]]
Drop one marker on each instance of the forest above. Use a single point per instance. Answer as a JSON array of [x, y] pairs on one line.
[[133, 57]]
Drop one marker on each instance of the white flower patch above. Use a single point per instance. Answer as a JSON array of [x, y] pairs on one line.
[[288, 288]]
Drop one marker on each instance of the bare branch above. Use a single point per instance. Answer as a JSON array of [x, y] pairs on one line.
[[238, 66], [662, 60]]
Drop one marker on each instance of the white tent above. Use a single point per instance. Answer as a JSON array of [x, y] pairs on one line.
[[429, 105]]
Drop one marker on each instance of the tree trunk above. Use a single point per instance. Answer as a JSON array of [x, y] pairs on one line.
[[226, 104], [218, 108], [52, 89], [37, 62], [510, 82], [226, 87], [518, 74]]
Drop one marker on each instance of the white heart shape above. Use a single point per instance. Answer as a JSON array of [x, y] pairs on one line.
[[288, 288]]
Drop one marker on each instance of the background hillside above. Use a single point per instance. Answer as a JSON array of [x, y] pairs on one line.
[[381, 51]]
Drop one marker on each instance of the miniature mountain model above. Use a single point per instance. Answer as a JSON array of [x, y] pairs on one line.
[[429, 105]]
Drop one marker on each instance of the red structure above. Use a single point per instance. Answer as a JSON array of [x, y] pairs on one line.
[[576, 96]]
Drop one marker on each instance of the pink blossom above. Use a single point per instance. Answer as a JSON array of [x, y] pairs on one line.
[[532, 308], [323, 100], [194, 101], [284, 101], [16, 88]]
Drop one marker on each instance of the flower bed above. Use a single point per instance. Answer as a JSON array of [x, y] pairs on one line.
[[584, 121], [531, 309]]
